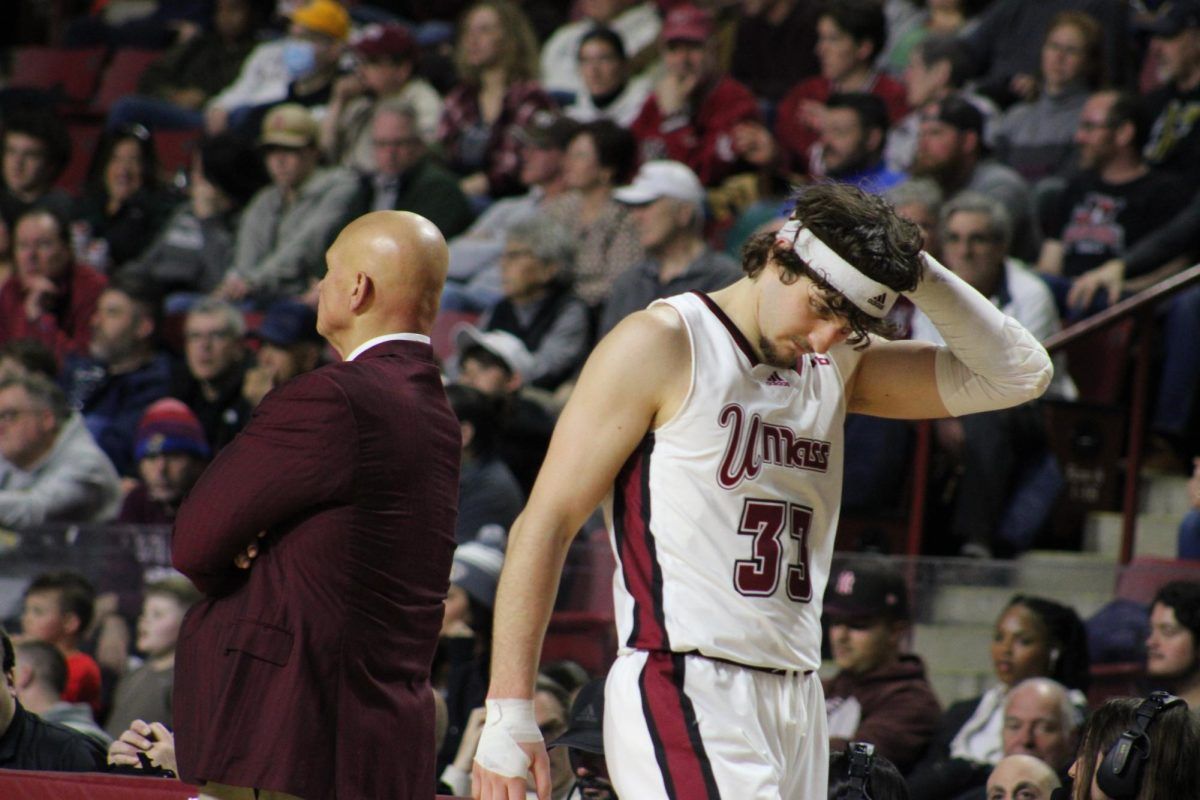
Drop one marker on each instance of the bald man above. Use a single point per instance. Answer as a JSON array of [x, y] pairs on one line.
[[322, 537], [1021, 777]]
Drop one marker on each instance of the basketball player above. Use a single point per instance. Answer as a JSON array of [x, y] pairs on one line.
[[711, 429]]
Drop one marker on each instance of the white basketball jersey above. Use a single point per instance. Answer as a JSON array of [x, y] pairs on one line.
[[723, 519]]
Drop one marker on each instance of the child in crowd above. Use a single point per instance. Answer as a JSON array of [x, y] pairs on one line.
[[58, 609], [145, 693]]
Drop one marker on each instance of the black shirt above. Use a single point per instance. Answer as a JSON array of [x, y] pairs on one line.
[[32, 743]]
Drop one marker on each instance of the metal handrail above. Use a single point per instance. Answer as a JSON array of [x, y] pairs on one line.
[[1140, 304]]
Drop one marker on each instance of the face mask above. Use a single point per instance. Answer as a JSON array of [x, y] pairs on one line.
[[300, 58]]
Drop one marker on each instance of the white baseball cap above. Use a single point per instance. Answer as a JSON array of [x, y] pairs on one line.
[[658, 179], [502, 344]]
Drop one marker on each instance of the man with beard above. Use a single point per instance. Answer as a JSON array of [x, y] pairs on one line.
[[1108, 207], [691, 114], [710, 427], [853, 134], [951, 151], [123, 372]]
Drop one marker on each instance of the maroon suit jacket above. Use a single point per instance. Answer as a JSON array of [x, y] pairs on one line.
[[309, 673]]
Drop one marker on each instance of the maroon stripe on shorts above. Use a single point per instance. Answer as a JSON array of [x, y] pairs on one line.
[[674, 730], [635, 549]]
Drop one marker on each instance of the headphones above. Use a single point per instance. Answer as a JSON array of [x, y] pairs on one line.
[[862, 759], [1120, 773]]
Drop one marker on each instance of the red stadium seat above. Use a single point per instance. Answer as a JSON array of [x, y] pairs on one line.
[[1141, 579], [174, 150], [121, 77], [84, 138], [72, 71]]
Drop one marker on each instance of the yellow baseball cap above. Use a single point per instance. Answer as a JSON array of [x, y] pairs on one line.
[[324, 16]]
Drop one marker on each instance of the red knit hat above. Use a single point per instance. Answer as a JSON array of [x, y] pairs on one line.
[[169, 426]]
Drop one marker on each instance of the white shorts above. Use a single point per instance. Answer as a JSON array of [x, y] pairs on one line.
[[684, 727]]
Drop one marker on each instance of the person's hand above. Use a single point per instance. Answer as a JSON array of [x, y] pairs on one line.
[[672, 92], [245, 559], [1109, 276], [232, 288], [510, 746], [470, 739], [40, 294], [1023, 86], [188, 97], [347, 87], [152, 739], [216, 120], [754, 143], [185, 30], [311, 295], [475, 185], [812, 114]]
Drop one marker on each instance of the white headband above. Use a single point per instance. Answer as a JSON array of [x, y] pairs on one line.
[[871, 297]]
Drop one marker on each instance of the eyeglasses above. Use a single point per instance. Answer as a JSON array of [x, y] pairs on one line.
[[1091, 125], [207, 336]]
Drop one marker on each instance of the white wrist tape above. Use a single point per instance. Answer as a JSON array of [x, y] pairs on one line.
[[992, 361], [507, 723]]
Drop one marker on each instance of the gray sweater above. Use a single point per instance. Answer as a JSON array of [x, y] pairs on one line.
[[74, 482]]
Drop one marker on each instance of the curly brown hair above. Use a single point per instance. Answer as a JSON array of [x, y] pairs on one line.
[[861, 228]]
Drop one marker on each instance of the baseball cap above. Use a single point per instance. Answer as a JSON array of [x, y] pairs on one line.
[[288, 125], [957, 113], [658, 179], [864, 591], [477, 564], [502, 344], [323, 16], [287, 323], [391, 39], [1173, 18], [168, 426], [687, 23], [585, 721], [548, 130]]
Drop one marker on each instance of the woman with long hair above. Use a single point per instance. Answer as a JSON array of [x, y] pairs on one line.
[[496, 56], [1033, 637], [122, 207]]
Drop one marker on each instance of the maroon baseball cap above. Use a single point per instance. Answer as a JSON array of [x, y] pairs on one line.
[[687, 23], [391, 39]]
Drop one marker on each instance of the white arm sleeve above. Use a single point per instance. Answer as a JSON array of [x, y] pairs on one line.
[[990, 361]]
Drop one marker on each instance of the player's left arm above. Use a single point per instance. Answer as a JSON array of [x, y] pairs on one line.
[[990, 360]]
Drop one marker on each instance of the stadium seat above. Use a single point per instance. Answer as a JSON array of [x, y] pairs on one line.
[[174, 150], [84, 138], [121, 77], [69, 73], [1141, 579]]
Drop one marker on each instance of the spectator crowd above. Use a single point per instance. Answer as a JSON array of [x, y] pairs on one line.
[[582, 160]]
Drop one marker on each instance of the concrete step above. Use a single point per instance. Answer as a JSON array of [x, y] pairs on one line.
[[1164, 494], [1157, 534]]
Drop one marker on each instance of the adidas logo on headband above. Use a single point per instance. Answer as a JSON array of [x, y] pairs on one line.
[[869, 296]]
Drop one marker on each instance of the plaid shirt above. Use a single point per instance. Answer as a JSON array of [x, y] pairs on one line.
[[503, 160]]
